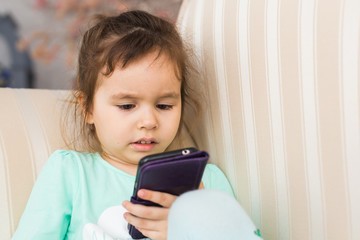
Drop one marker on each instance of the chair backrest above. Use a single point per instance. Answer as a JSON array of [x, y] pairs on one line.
[[282, 79]]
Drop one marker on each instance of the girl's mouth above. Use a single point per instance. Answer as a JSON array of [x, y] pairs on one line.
[[145, 142], [144, 145]]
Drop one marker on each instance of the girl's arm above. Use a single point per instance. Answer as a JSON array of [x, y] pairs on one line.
[[48, 211]]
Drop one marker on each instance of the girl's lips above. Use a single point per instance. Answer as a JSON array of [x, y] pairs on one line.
[[144, 144], [143, 147]]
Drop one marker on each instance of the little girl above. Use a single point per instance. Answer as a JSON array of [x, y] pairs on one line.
[[132, 91]]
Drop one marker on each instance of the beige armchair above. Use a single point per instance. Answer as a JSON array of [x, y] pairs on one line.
[[283, 122]]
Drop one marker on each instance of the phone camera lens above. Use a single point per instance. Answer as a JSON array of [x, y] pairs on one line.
[[185, 152]]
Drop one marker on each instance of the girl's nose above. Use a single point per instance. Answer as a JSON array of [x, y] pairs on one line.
[[148, 120]]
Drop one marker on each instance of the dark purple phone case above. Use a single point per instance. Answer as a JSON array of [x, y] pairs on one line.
[[175, 175]]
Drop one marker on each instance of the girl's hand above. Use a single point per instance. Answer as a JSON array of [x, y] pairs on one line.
[[150, 221]]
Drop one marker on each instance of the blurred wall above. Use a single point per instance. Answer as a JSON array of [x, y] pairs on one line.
[[55, 74]]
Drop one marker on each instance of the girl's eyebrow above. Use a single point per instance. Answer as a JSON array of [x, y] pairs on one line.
[[170, 95], [123, 95], [118, 96]]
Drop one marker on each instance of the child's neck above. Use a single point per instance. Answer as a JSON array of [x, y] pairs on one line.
[[129, 168]]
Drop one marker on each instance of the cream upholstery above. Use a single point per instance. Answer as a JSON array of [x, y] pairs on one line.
[[283, 122], [29, 133], [283, 116]]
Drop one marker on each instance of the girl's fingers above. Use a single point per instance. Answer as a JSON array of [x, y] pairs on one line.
[[150, 221], [150, 228], [163, 199], [156, 235], [145, 224], [154, 213]]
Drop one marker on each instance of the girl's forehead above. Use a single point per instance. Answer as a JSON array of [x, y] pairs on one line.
[[150, 72], [152, 61]]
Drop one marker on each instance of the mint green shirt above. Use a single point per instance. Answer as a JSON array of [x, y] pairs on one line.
[[79, 196]]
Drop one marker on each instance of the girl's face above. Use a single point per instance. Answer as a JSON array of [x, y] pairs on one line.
[[136, 111]]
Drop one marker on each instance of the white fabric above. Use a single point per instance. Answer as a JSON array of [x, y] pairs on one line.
[[209, 215]]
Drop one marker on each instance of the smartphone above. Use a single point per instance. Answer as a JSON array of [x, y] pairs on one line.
[[174, 172]]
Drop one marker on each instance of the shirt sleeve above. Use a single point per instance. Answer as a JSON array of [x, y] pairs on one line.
[[48, 211], [214, 178]]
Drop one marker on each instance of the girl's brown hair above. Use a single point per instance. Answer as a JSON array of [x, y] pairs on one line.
[[117, 41]]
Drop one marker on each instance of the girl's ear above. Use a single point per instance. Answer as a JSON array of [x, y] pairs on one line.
[[82, 103]]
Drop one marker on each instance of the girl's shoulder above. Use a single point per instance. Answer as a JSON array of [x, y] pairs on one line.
[[214, 178], [71, 155], [82, 162], [213, 170], [70, 159]]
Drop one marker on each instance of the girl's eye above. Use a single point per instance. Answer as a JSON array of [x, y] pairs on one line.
[[126, 106], [164, 106]]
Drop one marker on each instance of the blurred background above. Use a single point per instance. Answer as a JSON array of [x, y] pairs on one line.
[[39, 39]]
